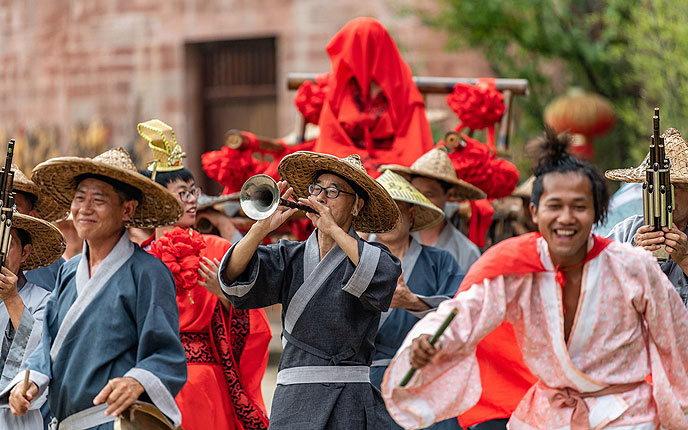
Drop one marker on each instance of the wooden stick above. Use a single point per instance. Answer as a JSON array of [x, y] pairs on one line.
[[26, 382], [433, 341], [429, 84]]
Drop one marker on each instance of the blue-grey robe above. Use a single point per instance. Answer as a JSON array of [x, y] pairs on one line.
[[122, 321], [45, 277], [18, 344], [336, 328], [451, 239], [625, 232], [433, 275]]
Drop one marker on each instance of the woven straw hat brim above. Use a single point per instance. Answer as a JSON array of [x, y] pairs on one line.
[[46, 208], [425, 214], [57, 179], [48, 243], [379, 214], [676, 150], [463, 188], [525, 189]]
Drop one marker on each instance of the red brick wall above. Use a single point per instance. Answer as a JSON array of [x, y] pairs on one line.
[[66, 65]]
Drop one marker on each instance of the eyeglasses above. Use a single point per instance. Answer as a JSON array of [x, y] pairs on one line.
[[185, 196], [330, 192]]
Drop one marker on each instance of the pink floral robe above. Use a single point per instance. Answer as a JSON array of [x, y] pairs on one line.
[[630, 323]]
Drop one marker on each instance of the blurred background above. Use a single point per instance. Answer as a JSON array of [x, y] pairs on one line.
[[76, 76]]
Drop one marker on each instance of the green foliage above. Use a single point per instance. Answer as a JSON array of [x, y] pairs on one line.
[[634, 52]]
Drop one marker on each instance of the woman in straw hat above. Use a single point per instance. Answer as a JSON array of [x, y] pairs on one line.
[[35, 243], [112, 321], [434, 176], [429, 277], [633, 229], [29, 201], [332, 287], [228, 386]]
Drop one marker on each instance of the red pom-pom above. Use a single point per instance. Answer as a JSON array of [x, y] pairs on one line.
[[477, 106], [310, 98], [231, 167], [180, 250], [477, 165]]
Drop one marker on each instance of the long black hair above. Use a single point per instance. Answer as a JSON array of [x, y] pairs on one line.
[[555, 158]]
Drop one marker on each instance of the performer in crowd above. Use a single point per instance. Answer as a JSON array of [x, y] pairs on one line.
[[593, 318], [633, 229], [226, 348], [434, 176], [35, 243], [429, 276], [111, 332], [29, 201], [332, 288]]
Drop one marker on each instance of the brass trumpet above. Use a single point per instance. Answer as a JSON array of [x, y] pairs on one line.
[[260, 196]]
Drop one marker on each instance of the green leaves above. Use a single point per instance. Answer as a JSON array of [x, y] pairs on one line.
[[634, 52]]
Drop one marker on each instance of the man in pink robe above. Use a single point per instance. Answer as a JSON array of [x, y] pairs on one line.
[[592, 318]]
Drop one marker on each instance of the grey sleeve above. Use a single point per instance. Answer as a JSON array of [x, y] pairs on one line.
[[261, 284], [625, 230], [374, 279]]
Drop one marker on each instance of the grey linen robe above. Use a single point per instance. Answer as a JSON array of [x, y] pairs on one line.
[[18, 345], [459, 246], [625, 232], [337, 327]]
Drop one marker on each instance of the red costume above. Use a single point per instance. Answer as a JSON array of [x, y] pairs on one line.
[[389, 127], [226, 355]]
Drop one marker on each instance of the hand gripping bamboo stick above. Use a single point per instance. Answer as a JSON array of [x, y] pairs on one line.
[[433, 341]]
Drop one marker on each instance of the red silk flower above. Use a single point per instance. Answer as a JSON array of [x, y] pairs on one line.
[[180, 250], [231, 167], [310, 98], [477, 106]]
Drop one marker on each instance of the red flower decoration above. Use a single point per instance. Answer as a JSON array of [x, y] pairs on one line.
[[310, 98], [180, 250], [477, 106], [479, 166], [231, 167]]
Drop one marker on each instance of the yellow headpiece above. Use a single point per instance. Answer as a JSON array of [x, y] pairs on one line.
[[167, 154]]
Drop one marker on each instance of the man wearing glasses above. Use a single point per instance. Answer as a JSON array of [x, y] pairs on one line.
[[332, 287]]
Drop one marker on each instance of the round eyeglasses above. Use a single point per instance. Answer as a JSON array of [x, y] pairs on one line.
[[185, 196], [330, 192]]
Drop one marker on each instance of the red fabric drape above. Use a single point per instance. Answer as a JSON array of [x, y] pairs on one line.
[[389, 127]]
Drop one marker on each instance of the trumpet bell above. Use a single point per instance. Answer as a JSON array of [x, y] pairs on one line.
[[259, 197]]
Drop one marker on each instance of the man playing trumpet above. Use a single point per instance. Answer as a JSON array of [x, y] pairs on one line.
[[332, 287]]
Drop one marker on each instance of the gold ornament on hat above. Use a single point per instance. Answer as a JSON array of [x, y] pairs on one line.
[[167, 154]]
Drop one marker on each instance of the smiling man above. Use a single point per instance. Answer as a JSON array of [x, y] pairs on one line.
[[592, 318], [332, 287], [111, 332]]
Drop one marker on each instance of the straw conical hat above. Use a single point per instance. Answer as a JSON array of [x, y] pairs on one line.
[[57, 179], [525, 188], [46, 208], [379, 213], [48, 243], [167, 154], [676, 150], [143, 416], [436, 164], [425, 214]]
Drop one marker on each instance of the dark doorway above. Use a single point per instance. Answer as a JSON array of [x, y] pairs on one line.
[[237, 91]]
